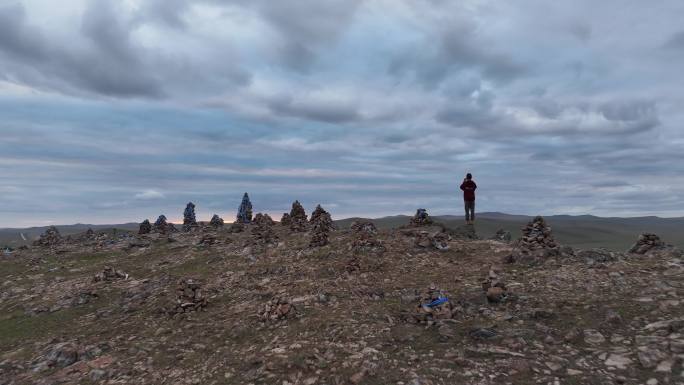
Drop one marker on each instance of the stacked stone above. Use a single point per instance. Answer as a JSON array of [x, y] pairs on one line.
[[189, 296], [189, 220], [646, 243], [145, 227], [162, 226], [536, 245], [286, 220], [263, 232], [322, 224], [89, 234], [298, 219], [494, 287], [244, 214], [426, 314], [109, 274], [421, 218], [50, 237], [502, 235], [216, 222], [277, 309], [365, 237]]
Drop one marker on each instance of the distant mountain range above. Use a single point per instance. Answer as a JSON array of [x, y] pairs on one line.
[[582, 231]]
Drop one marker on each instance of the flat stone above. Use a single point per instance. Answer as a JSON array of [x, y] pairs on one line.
[[618, 361]]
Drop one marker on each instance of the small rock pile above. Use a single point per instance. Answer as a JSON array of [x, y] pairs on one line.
[[108, 274], [189, 220], [244, 214], [275, 310], [502, 235], [365, 237], [262, 233], [439, 240], [420, 219], [298, 219], [285, 220], [433, 308], [145, 227], [494, 287], [89, 235], [216, 222], [646, 243], [189, 297], [322, 225], [536, 245], [50, 237], [236, 227], [162, 226]]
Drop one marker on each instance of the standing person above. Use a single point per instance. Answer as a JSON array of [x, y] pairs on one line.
[[468, 186]]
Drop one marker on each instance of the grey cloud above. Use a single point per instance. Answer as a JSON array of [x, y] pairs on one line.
[[676, 41], [317, 110]]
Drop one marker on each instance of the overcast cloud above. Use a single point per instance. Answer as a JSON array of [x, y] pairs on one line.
[[115, 111]]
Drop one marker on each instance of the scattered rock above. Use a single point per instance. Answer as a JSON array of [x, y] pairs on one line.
[[108, 274], [277, 309]]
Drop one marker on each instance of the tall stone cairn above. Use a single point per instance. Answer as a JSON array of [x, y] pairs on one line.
[[536, 245], [216, 221], [189, 220], [321, 224], [285, 220], [298, 219], [50, 237], [420, 219], [145, 227], [244, 214]]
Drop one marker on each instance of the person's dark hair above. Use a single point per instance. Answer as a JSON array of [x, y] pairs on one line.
[[469, 176]]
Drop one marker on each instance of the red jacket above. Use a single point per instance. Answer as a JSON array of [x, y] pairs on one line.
[[468, 187]]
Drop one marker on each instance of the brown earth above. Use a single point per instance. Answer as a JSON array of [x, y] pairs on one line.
[[181, 310]]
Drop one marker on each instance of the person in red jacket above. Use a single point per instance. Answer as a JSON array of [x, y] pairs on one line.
[[468, 186]]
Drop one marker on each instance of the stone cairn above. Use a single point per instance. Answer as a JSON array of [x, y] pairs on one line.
[[162, 226], [434, 307], [536, 245], [189, 297], [365, 237], [322, 224], [647, 242], [263, 232], [50, 237], [89, 234], [298, 219], [216, 222], [420, 219], [285, 220], [189, 220], [109, 274], [145, 227], [275, 310], [494, 287], [502, 235], [244, 214]]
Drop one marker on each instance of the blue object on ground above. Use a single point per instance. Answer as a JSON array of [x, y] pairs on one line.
[[438, 302]]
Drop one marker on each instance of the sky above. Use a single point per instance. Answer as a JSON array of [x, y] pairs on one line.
[[116, 111]]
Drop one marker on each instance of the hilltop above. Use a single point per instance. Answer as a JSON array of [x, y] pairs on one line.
[[303, 302]]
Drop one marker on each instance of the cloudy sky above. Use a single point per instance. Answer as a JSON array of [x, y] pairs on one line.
[[119, 110]]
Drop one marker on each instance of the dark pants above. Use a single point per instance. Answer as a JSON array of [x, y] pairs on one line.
[[470, 210]]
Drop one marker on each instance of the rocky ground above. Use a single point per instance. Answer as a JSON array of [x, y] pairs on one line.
[[264, 304]]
